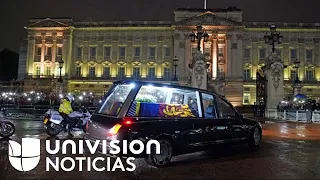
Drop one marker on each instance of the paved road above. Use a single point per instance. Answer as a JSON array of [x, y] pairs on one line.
[[288, 151]]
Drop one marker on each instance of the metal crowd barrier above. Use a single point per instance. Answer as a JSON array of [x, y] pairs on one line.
[[31, 112], [293, 115]]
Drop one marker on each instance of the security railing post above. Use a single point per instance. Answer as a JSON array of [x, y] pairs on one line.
[[284, 115]]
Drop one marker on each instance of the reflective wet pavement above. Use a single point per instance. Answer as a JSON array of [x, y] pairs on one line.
[[287, 151]]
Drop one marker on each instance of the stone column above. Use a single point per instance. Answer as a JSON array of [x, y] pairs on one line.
[[199, 77], [239, 59], [31, 53], [43, 52], [54, 52], [274, 74], [228, 55], [188, 57], [214, 56], [69, 53], [64, 51]]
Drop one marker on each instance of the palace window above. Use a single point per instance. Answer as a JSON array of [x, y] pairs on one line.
[[137, 51], [136, 72], [293, 74], [166, 73], [309, 54], [167, 52], [38, 70], [79, 52], [92, 71], [262, 53], [106, 72], [247, 74], [221, 52], [59, 51], [122, 52], [152, 52], [246, 53], [48, 70], [152, 72], [293, 54], [121, 72], [38, 51], [49, 53], [78, 71], [107, 52], [246, 98], [207, 51], [93, 52], [309, 75]]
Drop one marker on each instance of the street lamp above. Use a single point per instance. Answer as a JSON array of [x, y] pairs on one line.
[[296, 66], [60, 67], [175, 64], [198, 36], [273, 38]]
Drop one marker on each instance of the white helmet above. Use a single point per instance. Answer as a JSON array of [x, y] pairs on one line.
[[70, 98]]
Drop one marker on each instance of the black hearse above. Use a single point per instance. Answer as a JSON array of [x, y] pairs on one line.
[[182, 119]]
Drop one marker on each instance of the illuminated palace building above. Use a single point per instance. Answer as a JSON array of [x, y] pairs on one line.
[[97, 53]]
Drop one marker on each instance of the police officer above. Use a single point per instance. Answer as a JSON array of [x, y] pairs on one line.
[[65, 109]]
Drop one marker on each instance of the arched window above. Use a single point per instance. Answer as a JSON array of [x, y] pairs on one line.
[[136, 66], [121, 70], [166, 71], [152, 70], [106, 69]]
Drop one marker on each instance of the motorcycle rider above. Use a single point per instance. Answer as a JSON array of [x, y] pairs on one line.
[[65, 109]]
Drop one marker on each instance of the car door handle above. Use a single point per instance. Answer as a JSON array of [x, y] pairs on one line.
[[230, 123]]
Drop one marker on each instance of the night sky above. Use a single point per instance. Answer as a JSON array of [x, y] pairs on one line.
[[14, 14]]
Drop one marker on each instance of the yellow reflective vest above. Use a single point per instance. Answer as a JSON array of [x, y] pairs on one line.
[[65, 107]]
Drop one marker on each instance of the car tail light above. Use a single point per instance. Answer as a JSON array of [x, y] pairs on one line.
[[114, 130], [127, 121]]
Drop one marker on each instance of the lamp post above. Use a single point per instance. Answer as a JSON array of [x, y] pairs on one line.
[[296, 84], [60, 81], [60, 67], [175, 64], [273, 37], [296, 66], [198, 36]]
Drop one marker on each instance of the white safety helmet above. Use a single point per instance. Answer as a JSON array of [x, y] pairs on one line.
[[70, 98]]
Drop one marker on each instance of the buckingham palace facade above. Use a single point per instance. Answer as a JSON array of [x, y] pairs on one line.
[[97, 53]]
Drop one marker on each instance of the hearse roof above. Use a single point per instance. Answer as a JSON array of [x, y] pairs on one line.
[[161, 84]]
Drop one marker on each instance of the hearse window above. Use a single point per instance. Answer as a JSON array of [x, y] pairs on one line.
[[153, 101], [208, 104], [225, 110], [115, 100]]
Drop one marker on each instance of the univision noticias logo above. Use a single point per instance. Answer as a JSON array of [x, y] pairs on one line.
[[26, 156]]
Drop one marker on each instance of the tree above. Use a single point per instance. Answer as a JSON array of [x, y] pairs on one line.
[[9, 61]]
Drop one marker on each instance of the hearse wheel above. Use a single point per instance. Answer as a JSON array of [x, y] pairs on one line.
[[162, 159], [254, 139]]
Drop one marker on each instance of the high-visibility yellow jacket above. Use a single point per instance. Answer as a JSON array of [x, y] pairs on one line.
[[65, 107]]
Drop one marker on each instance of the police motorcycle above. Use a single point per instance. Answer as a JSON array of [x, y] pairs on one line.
[[7, 129], [54, 122]]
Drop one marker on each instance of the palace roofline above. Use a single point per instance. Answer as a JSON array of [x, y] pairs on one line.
[[83, 24], [280, 24], [229, 9], [122, 23]]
